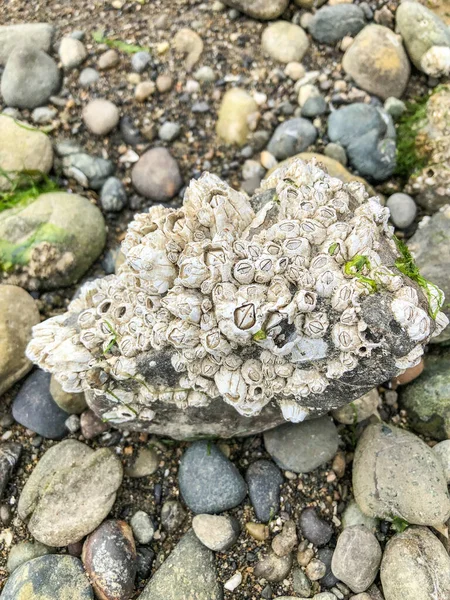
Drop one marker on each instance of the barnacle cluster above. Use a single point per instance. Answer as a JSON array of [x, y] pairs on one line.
[[252, 306]]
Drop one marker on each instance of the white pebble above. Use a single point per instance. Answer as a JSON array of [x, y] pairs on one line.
[[403, 210], [233, 582]]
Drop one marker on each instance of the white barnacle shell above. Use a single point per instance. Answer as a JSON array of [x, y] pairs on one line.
[[316, 324], [346, 337], [231, 385], [327, 282], [264, 268], [440, 323], [412, 359], [192, 271], [244, 271], [313, 231], [182, 334], [305, 300], [409, 294], [292, 411], [252, 372], [184, 304], [298, 246]]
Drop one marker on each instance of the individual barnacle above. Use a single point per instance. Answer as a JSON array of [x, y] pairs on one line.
[[291, 306]]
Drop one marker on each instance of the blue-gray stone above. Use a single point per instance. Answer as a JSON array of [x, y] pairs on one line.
[[50, 577], [367, 134], [209, 482], [113, 196], [314, 106], [292, 137], [89, 171], [325, 555], [35, 408], [264, 479], [331, 23], [88, 77], [140, 61]]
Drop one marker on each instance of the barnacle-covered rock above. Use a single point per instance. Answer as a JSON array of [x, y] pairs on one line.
[[230, 315]]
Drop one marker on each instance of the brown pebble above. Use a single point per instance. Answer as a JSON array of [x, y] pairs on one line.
[[304, 557], [144, 90], [91, 425], [409, 375], [338, 465], [108, 60], [164, 83], [258, 531], [75, 549]]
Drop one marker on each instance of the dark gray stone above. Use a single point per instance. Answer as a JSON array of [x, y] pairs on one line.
[[30, 78], [35, 408], [189, 571], [113, 196], [9, 457], [50, 577], [109, 557], [302, 447], [291, 137], [264, 480], [89, 171], [325, 555], [331, 23], [209, 482], [315, 529], [367, 134], [144, 561], [130, 133], [172, 515]]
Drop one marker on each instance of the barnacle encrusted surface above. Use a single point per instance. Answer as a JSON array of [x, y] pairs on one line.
[[291, 300]]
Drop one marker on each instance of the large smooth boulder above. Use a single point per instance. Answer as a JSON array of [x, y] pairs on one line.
[[331, 23], [52, 240], [396, 475], [37, 35], [18, 314]]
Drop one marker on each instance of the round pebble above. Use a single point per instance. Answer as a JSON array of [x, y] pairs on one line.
[[315, 529], [143, 527], [403, 210], [113, 196], [100, 116]]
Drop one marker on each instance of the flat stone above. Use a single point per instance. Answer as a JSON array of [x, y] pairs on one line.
[[291, 137], [353, 515], [395, 474], [9, 457], [301, 583], [415, 565], [88, 77], [264, 480], [264, 10], [189, 569], [100, 116], [70, 493], [29, 79], [156, 175], [71, 225], [331, 23], [284, 41], [232, 124], [140, 61], [22, 148], [357, 558], [25, 551], [36, 35], [377, 62], [144, 463], [43, 115], [314, 528], [172, 515], [302, 447], [359, 409], [218, 533], [108, 60], [209, 482], [34, 407], [91, 425], [325, 555], [427, 398], [109, 557], [18, 314]]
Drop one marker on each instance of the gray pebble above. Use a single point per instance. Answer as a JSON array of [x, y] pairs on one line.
[[143, 527], [291, 137], [140, 61], [9, 457], [216, 532], [264, 480], [315, 529], [73, 423], [43, 114], [172, 515], [25, 551], [88, 77], [169, 131], [403, 210], [113, 196], [337, 152], [273, 568]]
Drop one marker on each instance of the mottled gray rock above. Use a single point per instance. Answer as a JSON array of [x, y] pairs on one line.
[[377, 62], [357, 558], [34, 407], [140, 61], [291, 137], [50, 577], [259, 9], [218, 533], [113, 195], [415, 565], [143, 527], [100, 116], [30, 78], [430, 246], [283, 543], [314, 528], [301, 583], [314, 106], [91, 425], [331, 23], [394, 107], [403, 210], [353, 515], [395, 474], [9, 457], [264, 480], [169, 131], [36, 35], [337, 152], [43, 115], [284, 41], [156, 175], [209, 482], [70, 492], [427, 398], [190, 568], [302, 447], [420, 29], [325, 555], [273, 568], [172, 515], [18, 314], [109, 557], [359, 409], [369, 142], [443, 451], [89, 171], [25, 551]]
